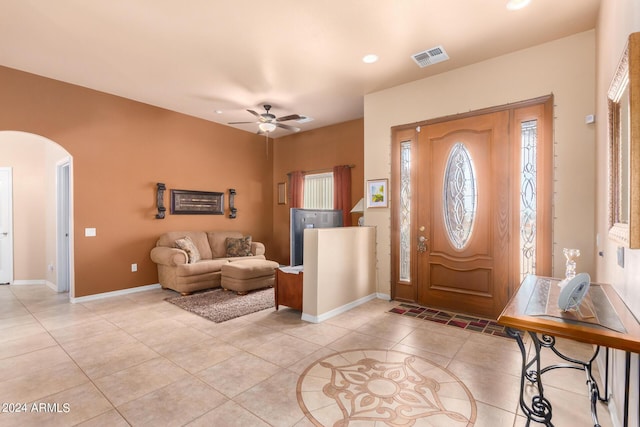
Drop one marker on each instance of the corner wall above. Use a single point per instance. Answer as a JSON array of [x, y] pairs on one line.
[[315, 150]]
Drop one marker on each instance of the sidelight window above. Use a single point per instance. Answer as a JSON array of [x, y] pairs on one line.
[[528, 202]]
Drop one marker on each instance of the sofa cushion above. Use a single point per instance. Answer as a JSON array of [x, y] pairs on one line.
[[217, 242], [201, 267], [238, 246], [199, 239], [187, 245]]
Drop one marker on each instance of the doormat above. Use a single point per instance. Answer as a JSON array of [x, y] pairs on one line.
[[463, 321]]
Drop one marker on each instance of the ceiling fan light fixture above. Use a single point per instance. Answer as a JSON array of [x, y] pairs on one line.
[[267, 127]]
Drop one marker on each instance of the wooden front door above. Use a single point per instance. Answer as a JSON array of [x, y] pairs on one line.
[[463, 214]]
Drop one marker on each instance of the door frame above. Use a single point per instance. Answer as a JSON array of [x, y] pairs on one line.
[[64, 229], [9, 237], [408, 290]]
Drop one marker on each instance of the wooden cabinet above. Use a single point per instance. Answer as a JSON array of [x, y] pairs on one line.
[[288, 289]]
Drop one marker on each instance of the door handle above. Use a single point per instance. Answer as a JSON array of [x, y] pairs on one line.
[[422, 244], [5, 233]]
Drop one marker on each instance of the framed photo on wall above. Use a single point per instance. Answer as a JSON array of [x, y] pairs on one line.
[[378, 193], [282, 193]]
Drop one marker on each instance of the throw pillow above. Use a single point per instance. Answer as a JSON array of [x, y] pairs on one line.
[[238, 247], [187, 245]]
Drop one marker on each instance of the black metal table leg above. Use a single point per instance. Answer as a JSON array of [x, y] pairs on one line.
[[540, 410]]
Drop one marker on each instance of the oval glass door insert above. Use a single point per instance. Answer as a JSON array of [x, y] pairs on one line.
[[460, 196]]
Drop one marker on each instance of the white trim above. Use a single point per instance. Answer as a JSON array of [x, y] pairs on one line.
[[28, 282], [385, 297], [336, 311], [52, 286], [115, 293]]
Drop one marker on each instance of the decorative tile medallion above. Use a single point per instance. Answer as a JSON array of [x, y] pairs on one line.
[[471, 323], [386, 387]]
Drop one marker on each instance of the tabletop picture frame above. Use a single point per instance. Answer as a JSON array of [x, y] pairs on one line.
[[378, 193]]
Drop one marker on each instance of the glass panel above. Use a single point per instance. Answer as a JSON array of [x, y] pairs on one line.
[[405, 211], [318, 191], [460, 196], [528, 188]]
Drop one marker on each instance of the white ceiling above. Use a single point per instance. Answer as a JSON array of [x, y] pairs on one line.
[[199, 56]]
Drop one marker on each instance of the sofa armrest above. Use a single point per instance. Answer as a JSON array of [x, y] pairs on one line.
[[168, 256], [257, 248]]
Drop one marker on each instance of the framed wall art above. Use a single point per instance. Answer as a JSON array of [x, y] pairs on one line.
[[187, 202], [378, 193], [282, 193]]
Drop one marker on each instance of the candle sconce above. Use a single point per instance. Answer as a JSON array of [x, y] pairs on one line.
[[160, 200], [232, 210]]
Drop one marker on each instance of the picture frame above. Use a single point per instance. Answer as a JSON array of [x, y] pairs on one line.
[[378, 193], [282, 193], [188, 202]]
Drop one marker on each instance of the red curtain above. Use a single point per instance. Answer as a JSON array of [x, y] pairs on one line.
[[342, 192], [296, 184]]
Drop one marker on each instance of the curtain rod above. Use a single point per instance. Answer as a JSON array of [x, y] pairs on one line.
[[322, 170]]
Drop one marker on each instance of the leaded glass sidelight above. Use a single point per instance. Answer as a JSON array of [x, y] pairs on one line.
[[528, 204], [459, 195], [405, 211]]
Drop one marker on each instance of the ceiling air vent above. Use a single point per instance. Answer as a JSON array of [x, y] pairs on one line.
[[430, 56]]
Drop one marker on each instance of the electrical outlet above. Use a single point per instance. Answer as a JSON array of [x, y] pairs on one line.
[[50, 267], [134, 268]]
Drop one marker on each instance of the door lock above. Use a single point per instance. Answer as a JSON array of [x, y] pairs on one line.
[[422, 244]]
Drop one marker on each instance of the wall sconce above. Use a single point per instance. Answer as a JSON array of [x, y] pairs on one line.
[[232, 210], [160, 200]]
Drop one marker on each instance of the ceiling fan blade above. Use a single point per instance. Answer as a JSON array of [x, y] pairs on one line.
[[287, 127], [254, 113], [240, 123], [289, 117]]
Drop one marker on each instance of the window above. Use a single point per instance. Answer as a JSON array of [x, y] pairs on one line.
[[318, 191]]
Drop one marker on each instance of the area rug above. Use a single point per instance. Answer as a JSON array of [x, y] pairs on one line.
[[463, 321], [219, 305]]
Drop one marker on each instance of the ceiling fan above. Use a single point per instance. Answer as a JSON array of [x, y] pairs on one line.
[[268, 122]]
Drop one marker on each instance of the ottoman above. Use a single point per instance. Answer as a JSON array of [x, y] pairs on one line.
[[247, 275]]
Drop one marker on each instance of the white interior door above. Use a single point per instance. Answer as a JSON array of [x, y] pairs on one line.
[[6, 226]]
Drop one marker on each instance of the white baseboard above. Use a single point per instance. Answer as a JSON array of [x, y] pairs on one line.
[[385, 297], [336, 311], [115, 293], [28, 282]]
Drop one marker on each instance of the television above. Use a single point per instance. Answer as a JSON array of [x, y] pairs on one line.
[[300, 219]]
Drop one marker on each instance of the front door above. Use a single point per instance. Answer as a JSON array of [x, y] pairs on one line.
[[6, 228], [472, 212], [463, 214]]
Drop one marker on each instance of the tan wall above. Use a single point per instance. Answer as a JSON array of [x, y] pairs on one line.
[[318, 149], [616, 21], [339, 270], [120, 150], [566, 68]]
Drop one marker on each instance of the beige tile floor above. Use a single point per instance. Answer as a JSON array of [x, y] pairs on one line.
[[138, 360]]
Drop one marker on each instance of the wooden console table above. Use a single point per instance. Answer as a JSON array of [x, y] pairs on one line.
[[288, 288], [608, 323]]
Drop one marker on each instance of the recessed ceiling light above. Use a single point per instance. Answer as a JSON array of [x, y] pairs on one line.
[[218, 111], [517, 4], [370, 59]]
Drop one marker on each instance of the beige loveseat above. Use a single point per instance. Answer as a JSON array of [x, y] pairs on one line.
[[175, 271]]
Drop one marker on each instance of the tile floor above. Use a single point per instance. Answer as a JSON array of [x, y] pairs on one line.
[[138, 360]]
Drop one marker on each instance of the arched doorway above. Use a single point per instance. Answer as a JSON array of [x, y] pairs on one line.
[[41, 240]]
